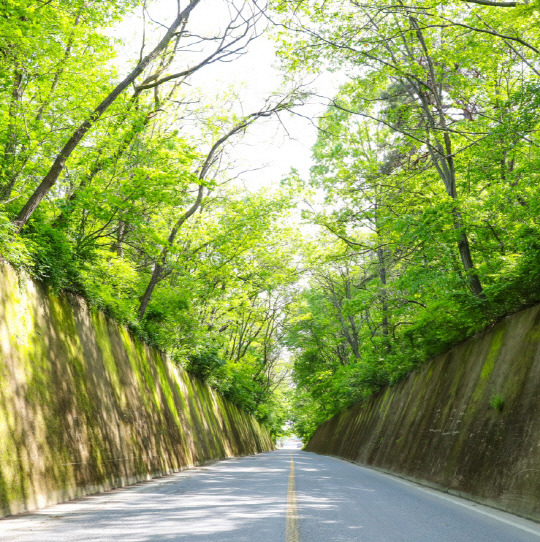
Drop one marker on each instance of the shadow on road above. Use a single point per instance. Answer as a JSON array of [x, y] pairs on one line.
[[240, 500]]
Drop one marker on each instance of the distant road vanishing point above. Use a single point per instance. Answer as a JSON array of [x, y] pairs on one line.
[[286, 495]]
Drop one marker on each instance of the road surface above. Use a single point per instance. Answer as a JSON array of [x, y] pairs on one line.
[[283, 496]]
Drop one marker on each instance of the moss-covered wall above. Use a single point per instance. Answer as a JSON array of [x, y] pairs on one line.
[[438, 427], [84, 406]]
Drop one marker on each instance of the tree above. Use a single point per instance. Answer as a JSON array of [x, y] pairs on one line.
[[418, 56], [229, 44], [413, 157], [208, 163]]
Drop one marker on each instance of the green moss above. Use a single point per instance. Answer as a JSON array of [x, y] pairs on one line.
[[496, 345], [99, 325], [487, 369], [165, 385], [134, 360]]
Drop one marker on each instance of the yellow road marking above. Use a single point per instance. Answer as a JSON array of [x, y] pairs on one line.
[[291, 524]]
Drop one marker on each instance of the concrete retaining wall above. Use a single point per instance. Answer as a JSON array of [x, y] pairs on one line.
[[468, 422], [84, 406]]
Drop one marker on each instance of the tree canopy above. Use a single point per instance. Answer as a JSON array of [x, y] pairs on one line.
[[416, 227]]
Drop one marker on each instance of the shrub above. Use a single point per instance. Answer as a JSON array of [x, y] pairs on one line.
[[497, 402]]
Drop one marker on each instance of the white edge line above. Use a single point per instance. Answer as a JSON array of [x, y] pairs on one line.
[[476, 507]]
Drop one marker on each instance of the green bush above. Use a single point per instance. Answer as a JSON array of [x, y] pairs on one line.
[[203, 364], [12, 247], [52, 256], [497, 402]]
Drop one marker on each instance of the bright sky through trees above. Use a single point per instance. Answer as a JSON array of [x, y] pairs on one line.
[[268, 152]]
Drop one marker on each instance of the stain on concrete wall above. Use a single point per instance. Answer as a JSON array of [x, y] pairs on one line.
[[85, 406], [468, 422]]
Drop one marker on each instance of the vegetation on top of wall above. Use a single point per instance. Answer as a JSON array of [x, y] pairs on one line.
[[105, 193]]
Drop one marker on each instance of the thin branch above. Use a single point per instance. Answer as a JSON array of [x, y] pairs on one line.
[[493, 4]]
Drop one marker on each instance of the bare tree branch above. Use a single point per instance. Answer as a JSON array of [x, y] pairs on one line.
[[59, 163], [492, 3]]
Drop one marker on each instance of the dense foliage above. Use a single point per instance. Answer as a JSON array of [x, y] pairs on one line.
[[422, 224], [427, 162], [120, 192]]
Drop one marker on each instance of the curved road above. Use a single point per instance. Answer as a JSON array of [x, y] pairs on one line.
[[288, 495]]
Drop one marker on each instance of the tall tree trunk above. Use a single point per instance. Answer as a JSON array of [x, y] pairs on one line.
[[160, 264], [442, 155], [381, 260], [466, 258], [383, 295], [118, 244], [154, 279]]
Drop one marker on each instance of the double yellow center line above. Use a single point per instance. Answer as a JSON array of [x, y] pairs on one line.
[[291, 524]]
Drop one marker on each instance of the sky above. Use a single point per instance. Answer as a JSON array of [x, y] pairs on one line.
[[271, 148]]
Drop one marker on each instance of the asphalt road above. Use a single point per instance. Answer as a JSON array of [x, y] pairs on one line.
[[288, 495]]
